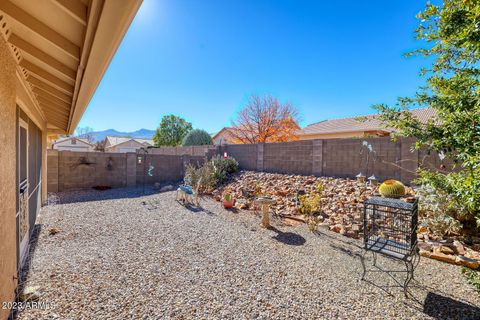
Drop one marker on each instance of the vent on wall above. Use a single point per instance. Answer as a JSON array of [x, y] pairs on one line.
[[5, 32]]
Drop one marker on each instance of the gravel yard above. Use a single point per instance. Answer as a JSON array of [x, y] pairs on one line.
[[121, 255]]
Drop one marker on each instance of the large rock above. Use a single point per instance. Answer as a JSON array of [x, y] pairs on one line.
[[446, 250], [448, 258], [467, 262], [458, 247]]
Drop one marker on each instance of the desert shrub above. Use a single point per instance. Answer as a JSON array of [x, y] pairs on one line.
[[311, 207], [197, 137], [473, 277], [438, 212], [212, 173], [205, 173], [225, 164]]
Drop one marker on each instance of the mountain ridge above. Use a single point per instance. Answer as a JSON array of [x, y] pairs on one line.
[[141, 134]]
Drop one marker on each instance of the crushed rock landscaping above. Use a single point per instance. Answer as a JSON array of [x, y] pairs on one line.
[[120, 254], [342, 209]]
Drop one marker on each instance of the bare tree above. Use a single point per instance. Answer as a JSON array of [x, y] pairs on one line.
[[85, 133], [265, 119]]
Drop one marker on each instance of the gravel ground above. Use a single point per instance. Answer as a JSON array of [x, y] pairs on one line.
[[123, 255]]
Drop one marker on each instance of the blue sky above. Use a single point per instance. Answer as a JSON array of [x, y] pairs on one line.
[[203, 59]]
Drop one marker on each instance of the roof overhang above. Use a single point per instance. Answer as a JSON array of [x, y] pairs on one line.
[[62, 49]]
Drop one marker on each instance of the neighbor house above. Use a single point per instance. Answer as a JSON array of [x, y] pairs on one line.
[[223, 137], [126, 144], [53, 54], [72, 144], [356, 127]]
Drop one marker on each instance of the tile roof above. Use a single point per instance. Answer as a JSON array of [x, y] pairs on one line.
[[361, 123]]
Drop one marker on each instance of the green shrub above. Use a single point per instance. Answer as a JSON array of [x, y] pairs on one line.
[[473, 277], [197, 137], [438, 211], [227, 165]]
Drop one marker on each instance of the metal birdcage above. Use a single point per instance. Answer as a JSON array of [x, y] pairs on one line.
[[390, 228]]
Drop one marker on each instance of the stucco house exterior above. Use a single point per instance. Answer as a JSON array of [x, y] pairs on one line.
[[222, 137], [72, 144], [126, 144], [53, 54], [356, 127]]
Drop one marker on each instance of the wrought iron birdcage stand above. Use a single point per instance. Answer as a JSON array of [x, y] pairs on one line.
[[390, 228]]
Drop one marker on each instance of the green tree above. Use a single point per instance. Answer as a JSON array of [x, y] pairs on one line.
[[451, 37], [171, 131], [197, 137]]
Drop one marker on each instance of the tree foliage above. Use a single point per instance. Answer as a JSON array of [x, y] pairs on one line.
[[265, 119], [197, 137], [171, 131], [451, 35]]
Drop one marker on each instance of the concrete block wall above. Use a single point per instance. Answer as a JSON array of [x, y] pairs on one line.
[[289, 157], [52, 172], [180, 151], [245, 154], [162, 168], [346, 158], [332, 158], [335, 158], [69, 170]]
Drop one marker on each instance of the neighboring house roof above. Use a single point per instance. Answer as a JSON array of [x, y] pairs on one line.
[[115, 141], [225, 130], [361, 123], [58, 141]]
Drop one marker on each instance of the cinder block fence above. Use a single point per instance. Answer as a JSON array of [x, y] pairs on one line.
[[69, 170], [334, 158]]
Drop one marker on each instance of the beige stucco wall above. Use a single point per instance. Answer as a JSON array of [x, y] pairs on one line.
[[222, 138], [44, 166], [67, 145], [338, 135], [8, 254], [128, 144]]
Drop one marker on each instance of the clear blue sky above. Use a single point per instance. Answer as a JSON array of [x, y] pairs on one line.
[[202, 59]]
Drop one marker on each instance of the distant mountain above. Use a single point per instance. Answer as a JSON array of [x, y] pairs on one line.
[[142, 134]]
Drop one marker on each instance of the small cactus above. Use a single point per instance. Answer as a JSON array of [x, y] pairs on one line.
[[392, 189]]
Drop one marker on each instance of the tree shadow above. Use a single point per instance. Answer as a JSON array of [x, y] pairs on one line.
[[436, 304], [288, 238], [88, 195], [444, 307], [196, 209]]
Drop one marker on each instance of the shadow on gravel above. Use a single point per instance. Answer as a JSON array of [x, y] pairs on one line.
[[97, 195], [25, 271], [290, 238], [191, 208], [442, 307], [110, 194]]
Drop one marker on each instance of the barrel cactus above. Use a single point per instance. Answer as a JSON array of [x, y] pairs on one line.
[[392, 189]]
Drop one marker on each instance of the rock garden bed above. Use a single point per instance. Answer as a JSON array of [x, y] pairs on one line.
[[342, 209]]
